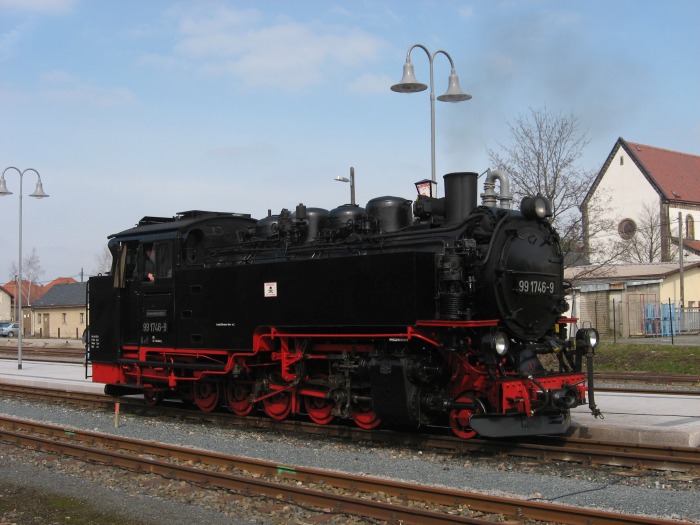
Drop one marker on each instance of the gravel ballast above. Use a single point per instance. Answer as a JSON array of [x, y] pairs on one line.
[[658, 494]]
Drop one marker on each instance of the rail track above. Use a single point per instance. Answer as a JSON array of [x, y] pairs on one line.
[[381, 499], [639, 457], [70, 354], [645, 377], [63, 353]]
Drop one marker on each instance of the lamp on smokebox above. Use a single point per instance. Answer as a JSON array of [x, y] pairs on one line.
[[427, 188]]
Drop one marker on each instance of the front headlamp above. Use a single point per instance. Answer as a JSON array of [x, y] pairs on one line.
[[588, 337], [496, 342], [536, 207]]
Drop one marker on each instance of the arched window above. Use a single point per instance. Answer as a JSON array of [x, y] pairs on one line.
[[689, 227]]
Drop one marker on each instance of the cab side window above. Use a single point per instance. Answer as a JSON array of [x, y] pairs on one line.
[[164, 259], [125, 263]]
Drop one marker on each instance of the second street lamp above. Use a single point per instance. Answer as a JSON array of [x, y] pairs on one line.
[[409, 84], [351, 180], [39, 194]]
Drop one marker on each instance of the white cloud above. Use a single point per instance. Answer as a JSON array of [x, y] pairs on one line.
[[63, 87], [372, 84], [263, 50], [8, 43], [465, 11]]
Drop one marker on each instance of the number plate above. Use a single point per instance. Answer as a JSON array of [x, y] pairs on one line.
[[154, 327], [534, 286]]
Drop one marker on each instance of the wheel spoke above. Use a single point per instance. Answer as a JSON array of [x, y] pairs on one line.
[[365, 417], [206, 395], [238, 394], [320, 410], [278, 406]]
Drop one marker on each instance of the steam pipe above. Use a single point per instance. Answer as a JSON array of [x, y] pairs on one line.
[[489, 197]]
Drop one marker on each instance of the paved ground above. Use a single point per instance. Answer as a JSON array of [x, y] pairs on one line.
[[684, 340], [634, 418]]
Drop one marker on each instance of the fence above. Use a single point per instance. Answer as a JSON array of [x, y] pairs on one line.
[[639, 316], [665, 320]]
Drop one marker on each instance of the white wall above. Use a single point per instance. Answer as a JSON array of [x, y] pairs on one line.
[[621, 193], [5, 307]]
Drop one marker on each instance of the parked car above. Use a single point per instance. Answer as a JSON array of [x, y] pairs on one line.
[[9, 329]]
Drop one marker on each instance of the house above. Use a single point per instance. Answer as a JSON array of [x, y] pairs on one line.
[[636, 299], [638, 183], [6, 305], [61, 311], [30, 292]]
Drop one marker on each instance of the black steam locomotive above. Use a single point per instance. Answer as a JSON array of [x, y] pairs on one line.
[[432, 312]]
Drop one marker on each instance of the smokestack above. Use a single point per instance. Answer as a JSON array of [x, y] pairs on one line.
[[460, 195]]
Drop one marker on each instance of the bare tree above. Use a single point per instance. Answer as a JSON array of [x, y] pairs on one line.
[[12, 271], [32, 270], [644, 242], [103, 261], [543, 158], [31, 267]]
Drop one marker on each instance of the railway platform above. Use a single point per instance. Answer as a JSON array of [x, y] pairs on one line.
[[68, 377], [673, 420]]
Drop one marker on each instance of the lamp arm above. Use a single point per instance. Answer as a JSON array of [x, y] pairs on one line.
[[443, 52], [427, 52]]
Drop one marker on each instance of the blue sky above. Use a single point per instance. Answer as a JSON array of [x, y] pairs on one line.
[[130, 108]]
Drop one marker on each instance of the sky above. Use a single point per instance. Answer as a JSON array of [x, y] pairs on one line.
[[129, 108]]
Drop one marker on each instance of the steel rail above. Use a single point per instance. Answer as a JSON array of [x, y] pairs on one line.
[[545, 448], [61, 440], [659, 391], [646, 377]]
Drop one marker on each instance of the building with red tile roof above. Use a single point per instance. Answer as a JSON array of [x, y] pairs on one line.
[[31, 292], [636, 179]]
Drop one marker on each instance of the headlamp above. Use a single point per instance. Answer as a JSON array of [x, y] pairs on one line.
[[588, 336], [497, 342], [536, 207]]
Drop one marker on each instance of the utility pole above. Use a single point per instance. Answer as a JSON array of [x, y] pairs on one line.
[[680, 253]]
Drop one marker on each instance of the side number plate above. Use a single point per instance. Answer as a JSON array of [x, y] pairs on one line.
[[534, 286]]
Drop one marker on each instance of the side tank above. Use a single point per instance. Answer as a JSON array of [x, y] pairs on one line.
[[267, 227], [346, 218], [316, 221], [391, 213]]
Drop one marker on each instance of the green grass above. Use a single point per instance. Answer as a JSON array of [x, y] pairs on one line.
[[631, 357]]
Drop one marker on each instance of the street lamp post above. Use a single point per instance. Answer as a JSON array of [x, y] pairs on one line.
[[351, 180], [39, 194], [409, 84]]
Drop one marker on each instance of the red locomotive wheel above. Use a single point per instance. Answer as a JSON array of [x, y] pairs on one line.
[[278, 406], [459, 420], [319, 409], [238, 397], [365, 417], [206, 395]]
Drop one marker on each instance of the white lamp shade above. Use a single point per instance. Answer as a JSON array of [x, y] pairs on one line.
[[408, 83], [454, 93]]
